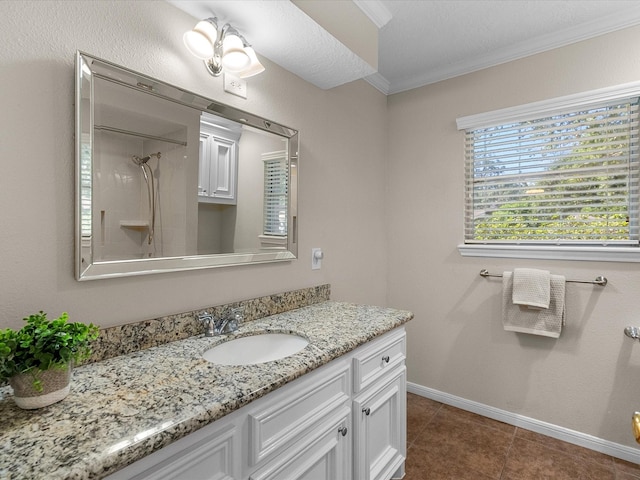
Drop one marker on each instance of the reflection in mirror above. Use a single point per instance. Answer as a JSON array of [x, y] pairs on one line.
[[169, 180]]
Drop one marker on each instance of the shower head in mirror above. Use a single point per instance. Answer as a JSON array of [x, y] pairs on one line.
[[142, 160]]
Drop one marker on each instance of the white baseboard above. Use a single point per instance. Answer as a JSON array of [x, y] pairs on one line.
[[570, 436]]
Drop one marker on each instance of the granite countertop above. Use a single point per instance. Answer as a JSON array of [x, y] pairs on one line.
[[126, 407]]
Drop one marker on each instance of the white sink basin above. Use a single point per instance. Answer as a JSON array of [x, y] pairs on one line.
[[255, 349]]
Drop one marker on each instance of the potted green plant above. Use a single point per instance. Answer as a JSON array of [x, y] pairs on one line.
[[37, 359]]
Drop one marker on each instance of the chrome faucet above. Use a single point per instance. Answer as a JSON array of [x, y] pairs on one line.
[[226, 323], [209, 324]]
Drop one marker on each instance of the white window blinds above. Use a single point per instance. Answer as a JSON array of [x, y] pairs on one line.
[[569, 177], [276, 184], [85, 187]]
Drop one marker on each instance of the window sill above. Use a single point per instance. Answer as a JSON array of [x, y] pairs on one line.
[[272, 241], [594, 254]]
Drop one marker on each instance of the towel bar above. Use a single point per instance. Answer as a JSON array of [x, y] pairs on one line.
[[600, 280]]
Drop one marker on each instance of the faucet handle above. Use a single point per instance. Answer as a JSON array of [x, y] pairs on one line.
[[233, 319], [238, 314], [208, 322]]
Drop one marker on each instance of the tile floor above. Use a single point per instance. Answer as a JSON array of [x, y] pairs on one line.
[[444, 442]]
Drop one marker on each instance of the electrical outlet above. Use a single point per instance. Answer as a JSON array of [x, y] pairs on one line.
[[235, 85]]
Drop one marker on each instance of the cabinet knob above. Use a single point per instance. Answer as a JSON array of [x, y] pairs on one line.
[[366, 411], [386, 359], [343, 431]]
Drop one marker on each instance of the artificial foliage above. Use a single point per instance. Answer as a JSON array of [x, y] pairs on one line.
[[43, 344]]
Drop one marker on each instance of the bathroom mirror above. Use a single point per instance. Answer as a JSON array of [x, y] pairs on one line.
[[169, 180]]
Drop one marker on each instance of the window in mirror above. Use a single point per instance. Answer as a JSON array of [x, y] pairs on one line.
[[275, 194]]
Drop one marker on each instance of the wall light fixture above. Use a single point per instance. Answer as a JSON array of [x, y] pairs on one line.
[[222, 48]]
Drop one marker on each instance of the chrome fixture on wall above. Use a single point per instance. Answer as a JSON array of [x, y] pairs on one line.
[[142, 162], [632, 332], [599, 280], [222, 48]]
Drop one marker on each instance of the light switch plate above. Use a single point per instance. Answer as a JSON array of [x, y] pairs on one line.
[[316, 258], [235, 85]]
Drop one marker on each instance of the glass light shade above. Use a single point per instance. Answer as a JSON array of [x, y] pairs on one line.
[[200, 40], [255, 67], [234, 57]]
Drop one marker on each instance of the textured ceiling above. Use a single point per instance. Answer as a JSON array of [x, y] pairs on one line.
[[431, 40], [420, 41], [280, 31]]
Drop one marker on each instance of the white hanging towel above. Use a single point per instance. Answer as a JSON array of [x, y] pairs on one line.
[[520, 318], [531, 287]]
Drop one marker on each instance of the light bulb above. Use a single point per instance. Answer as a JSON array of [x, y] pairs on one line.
[[255, 67], [200, 40], [234, 57]]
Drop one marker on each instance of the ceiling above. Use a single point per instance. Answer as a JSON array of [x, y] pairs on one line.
[[419, 41]]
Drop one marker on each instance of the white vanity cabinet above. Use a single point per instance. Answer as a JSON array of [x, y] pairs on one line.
[[343, 421], [210, 453], [379, 409], [218, 162], [323, 454]]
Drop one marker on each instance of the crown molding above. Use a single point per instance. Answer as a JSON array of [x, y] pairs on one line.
[[320, 59], [376, 11], [379, 82], [533, 46]]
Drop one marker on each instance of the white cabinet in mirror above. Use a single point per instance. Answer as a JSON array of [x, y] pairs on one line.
[[169, 180], [218, 160]]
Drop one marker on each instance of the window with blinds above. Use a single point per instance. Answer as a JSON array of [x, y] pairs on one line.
[[276, 185], [85, 188], [569, 177]]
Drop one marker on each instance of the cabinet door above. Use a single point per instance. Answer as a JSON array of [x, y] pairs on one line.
[[324, 456], [293, 413], [217, 170], [223, 170], [380, 428], [203, 166], [207, 455]]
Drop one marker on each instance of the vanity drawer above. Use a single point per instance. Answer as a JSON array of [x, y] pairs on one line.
[[378, 358], [296, 412]]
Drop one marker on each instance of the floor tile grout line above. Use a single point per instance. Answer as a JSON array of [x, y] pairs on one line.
[[439, 410], [619, 473], [577, 458], [424, 429], [488, 423], [506, 457], [611, 464]]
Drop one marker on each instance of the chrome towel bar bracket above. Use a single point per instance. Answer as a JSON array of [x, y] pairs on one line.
[[632, 332], [600, 280]]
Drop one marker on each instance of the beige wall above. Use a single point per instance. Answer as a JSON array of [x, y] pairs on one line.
[[586, 381], [341, 167], [589, 379]]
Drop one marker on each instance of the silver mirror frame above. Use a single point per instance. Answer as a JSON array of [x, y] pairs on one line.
[[86, 267]]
